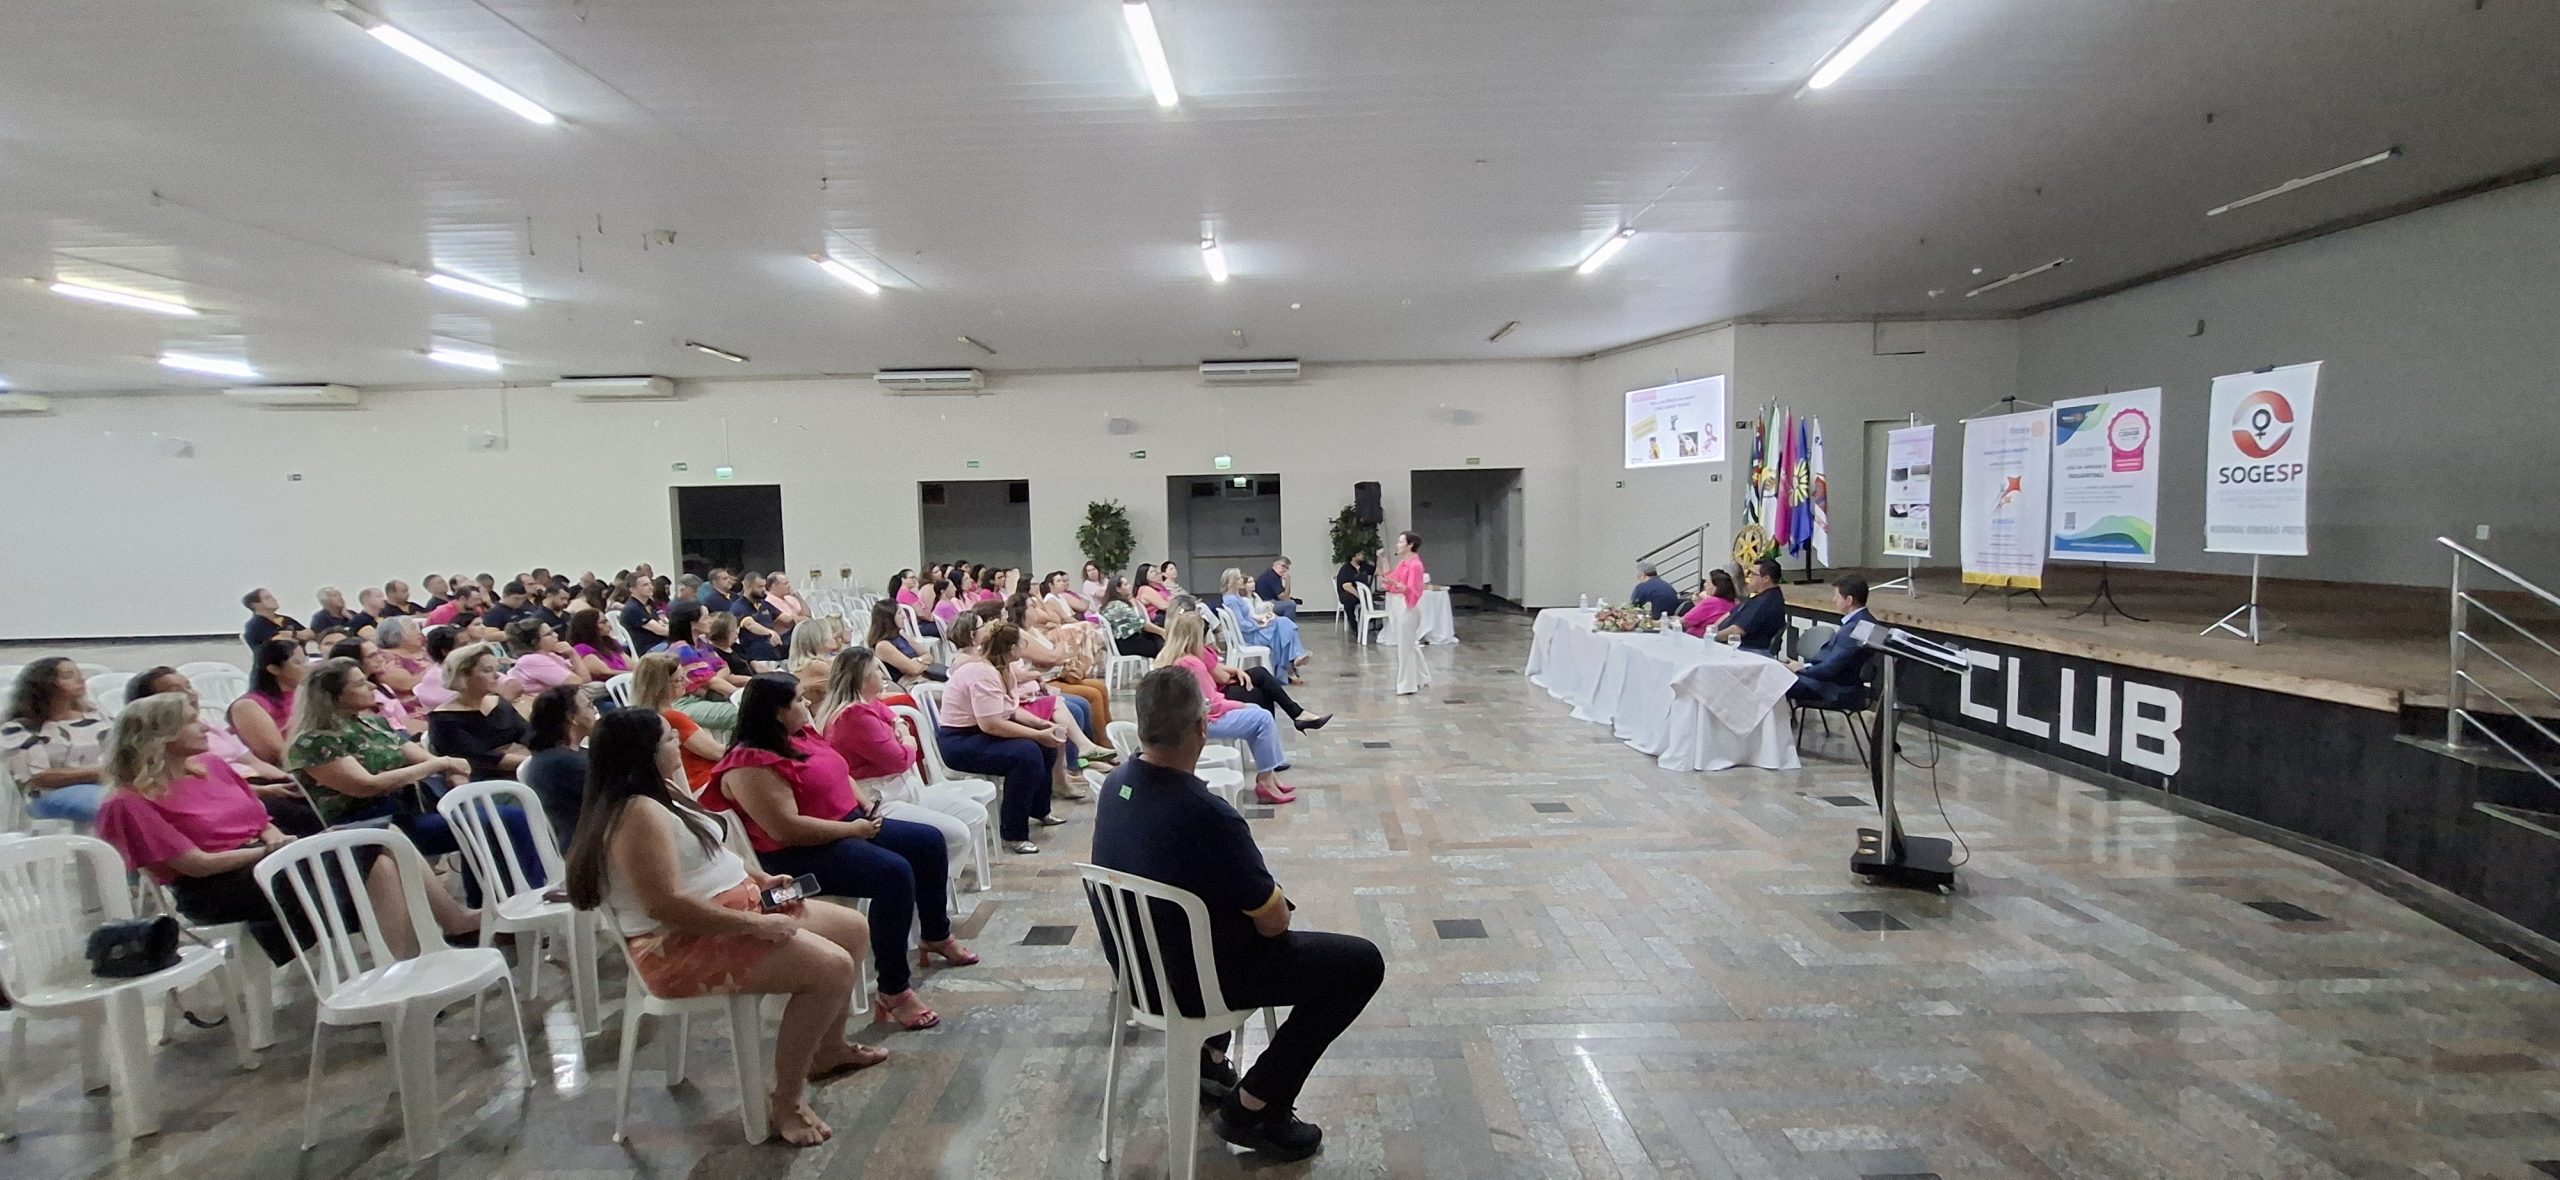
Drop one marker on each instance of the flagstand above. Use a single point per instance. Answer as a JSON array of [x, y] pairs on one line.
[[1808, 579], [2249, 608], [2107, 594]]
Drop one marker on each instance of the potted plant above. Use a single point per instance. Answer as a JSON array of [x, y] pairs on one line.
[[1350, 536], [1105, 536]]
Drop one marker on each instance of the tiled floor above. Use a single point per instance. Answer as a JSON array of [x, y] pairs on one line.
[[1595, 968]]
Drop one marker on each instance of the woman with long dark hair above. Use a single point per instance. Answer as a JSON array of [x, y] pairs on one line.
[[53, 741], [708, 684], [599, 654], [899, 655], [1716, 599], [653, 861], [562, 718], [1132, 632], [803, 815], [261, 715]]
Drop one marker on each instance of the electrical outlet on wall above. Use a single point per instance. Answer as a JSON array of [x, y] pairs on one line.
[[2480, 533]]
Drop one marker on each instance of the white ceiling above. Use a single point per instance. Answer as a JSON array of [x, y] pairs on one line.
[[1409, 174]]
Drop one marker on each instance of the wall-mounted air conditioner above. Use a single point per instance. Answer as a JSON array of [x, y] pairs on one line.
[[1271, 370], [636, 387], [296, 397], [931, 380]]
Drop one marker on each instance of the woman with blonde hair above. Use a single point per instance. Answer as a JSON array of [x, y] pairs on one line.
[[1186, 646], [1260, 627], [657, 683], [184, 816], [814, 645], [476, 725]]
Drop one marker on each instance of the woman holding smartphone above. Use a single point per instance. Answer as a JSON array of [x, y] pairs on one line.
[[653, 861]]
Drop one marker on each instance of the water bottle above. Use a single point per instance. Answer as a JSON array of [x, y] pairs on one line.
[[1584, 602]]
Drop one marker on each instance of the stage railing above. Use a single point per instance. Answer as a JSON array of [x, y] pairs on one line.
[[1682, 560], [2473, 574]]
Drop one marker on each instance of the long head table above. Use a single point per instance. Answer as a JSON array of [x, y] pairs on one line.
[[1693, 704]]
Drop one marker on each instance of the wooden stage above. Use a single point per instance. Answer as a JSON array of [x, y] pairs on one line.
[[2370, 646]]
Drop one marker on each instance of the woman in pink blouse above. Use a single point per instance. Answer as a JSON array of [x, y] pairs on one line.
[[1715, 602], [882, 755], [1403, 585], [262, 716], [902, 587], [1186, 646], [984, 730], [543, 658]]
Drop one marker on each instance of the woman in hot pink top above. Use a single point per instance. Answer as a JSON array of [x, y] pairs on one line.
[[1712, 606], [1403, 586], [262, 716], [883, 756]]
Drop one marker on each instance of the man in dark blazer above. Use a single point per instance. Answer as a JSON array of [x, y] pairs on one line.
[[1834, 677]]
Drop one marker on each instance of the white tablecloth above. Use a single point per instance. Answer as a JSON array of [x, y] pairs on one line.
[[1439, 624], [1693, 704]]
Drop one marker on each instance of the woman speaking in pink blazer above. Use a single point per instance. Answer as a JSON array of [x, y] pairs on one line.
[[1403, 585]]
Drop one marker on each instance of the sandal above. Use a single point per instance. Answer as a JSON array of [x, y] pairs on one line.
[[957, 956], [809, 1130], [1102, 754], [884, 1010], [858, 1057]]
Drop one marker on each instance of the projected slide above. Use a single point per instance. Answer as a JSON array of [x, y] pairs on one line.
[[1673, 424]]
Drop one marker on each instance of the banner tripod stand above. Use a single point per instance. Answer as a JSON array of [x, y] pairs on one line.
[[1909, 582], [2011, 596], [2107, 594], [2249, 608]]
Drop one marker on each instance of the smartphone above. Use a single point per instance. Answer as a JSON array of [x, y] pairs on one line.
[[804, 885]]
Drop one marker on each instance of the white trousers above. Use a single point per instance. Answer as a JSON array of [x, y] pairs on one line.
[[1404, 623], [947, 810]]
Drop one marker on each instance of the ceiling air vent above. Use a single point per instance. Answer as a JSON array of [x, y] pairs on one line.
[[1224, 372], [910, 381]]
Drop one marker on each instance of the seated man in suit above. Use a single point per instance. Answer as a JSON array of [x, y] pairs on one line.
[[1658, 597], [1760, 623], [1835, 675]]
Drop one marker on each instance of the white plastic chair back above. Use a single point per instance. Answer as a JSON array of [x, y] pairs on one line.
[[46, 886], [13, 806], [480, 829], [350, 940], [216, 685], [621, 634], [106, 691], [1122, 674], [1123, 736], [908, 625], [926, 740], [1126, 901], [618, 688], [928, 695]]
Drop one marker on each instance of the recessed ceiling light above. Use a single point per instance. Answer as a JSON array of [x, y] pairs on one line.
[[847, 275], [442, 63], [461, 286], [1977, 270], [1142, 30], [1296, 306], [2028, 273], [462, 358], [724, 354], [214, 365], [2388, 153], [1606, 250], [1847, 57], [121, 299], [1213, 257]]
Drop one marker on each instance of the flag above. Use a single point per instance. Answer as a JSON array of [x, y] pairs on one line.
[[1752, 539], [1773, 488], [1821, 501], [1800, 489]]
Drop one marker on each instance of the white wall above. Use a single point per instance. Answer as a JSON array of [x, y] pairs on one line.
[[1626, 513], [2438, 406], [163, 545]]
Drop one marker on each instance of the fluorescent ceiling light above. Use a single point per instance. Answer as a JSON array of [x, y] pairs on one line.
[[216, 365], [848, 276], [2388, 153], [1606, 250], [1847, 57], [476, 290], [1142, 29], [1214, 257], [121, 299], [1504, 330], [722, 353], [437, 60], [464, 359], [2028, 273]]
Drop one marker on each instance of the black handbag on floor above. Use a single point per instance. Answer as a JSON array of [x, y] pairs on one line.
[[123, 950]]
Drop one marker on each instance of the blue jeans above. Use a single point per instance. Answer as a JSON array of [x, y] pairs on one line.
[[1025, 766], [904, 871], [1259, 731], [78, 803], [1083, 713], [1286, 608]]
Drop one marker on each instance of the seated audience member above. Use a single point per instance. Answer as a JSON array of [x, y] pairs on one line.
[[269, 780], [488, 586], [708, 683], [1716, 599], [718, 592], [54, 740], [1059, 607], [1157, 820], [333, 615], [552, 605], [184, 816], [657, 683], [1272, 586], [1093, 582], [902, 588], [720, 634], [814, 645], [1186, 647], [262, 714], [1169, 576], [1657, 597], [395, 601], [1064, 669], [1132, 633], [1353, 574], [1836, 675], [687, 588], [563, 716], [1260, 628], [642, 618], [942, 606], [882, 755], [467, 599], [764, 628], [386, 703], [430, 691], [403, 641], [691, 912], [600, 655], [777, 589], [983, 729], [267, 621], [1257, 686], [477, 725], [439, 591], [1760, 623], [542, 658], [1148, 591], [897, 653], [803, 816], [514, 602], [374, 607]]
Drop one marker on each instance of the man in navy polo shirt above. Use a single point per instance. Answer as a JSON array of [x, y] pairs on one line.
[[1272, 586], [1158, 820]]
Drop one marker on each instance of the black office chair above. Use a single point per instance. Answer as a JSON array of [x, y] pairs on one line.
[[1858, 715]]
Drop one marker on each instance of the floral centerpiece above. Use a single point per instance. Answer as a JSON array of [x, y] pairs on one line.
[[1623, 619]]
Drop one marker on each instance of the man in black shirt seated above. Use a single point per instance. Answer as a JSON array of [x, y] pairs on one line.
[[1760, 623], [267, 621], [1157, 820], [396, 601], [1272, 586], [1656, 596], [333, 615], [512, 604], [1354, 572], [551, 605]]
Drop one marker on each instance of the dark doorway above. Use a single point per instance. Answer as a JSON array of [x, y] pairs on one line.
[[1470, 521], [983, 521], [728, 526], [1213, 522]]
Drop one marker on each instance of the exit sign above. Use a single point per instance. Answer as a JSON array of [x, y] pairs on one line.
[[1475, 460], [973, 465]]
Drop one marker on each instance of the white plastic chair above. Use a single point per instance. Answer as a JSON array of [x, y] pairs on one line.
[[746, 1026], [358, 979], [88, 669], [1121, 676], [1224, 779], [244, 960], [45, 925], [106, 691], [618, 688], [510, 906], [981, 832], [1231, 637], [1127, 902], [217, 685], [1370, 612]]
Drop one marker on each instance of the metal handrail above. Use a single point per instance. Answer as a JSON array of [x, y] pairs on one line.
[[1690, 555], [2461, 642]]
